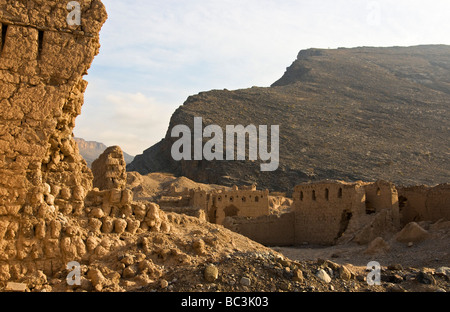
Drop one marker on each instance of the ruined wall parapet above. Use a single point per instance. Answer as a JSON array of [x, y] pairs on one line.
[[52, 15], [418, 203]]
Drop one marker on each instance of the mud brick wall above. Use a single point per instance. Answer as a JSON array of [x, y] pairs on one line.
[[271, 230], [418, 203], [43, 178], [323, 211]]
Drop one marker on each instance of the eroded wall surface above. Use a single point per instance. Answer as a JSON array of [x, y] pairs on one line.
[[42, 176], [327, 213], [419, 203]]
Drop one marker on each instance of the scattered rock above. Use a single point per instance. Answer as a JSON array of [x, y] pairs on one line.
[[425, 278], [443, 271], [245, 281], [16, 287], [163, 284], [323, 276], [298, 276], [211, 273], [97, 279], [344, 273], [285, 285]]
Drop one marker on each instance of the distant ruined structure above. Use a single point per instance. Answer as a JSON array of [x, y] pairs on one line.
[[329, 212], [215, 206], [322, 213]]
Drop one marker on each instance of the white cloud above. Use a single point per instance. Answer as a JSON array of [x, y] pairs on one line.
[[131, 120]]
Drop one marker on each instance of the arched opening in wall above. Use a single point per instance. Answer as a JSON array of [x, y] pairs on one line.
[[340, 192], [343, 224], [231, 198], [378, 192], [327, 192], [231, 211], [301, 195], [213, 215], [314, 195], [244, 199], [256, 199], [402, 202]]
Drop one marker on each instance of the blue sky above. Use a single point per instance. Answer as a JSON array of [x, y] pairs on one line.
[[155, 54]]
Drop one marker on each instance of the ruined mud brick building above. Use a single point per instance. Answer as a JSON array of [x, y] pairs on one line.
[[323, 213], [218, 205], [424, 203], [329, 212], [215, 206], [49, 214]]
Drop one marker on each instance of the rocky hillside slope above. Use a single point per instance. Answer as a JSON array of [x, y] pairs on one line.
[[350, 114], [90, 150]]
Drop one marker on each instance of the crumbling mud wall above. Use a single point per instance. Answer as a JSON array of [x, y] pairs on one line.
[[273, 230], [244, 202], [43, 179], [423, 203], [323, 210], [326, 213], [42, 63], [109, 169]]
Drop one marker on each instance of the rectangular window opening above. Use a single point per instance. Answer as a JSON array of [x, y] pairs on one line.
[[40, 42], [3, 39]]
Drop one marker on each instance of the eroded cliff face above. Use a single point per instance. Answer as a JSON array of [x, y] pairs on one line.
[[42, 175]]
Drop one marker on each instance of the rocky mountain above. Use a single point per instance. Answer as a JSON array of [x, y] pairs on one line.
[[350, 114], [91, 150]]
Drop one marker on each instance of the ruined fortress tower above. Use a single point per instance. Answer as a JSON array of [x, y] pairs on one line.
[[42, 175]]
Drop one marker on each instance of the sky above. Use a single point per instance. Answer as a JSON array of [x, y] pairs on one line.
[[156, 53]]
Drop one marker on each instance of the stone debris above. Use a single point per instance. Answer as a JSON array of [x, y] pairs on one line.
[[323, 276], [444, 271], [16, 287], [211, 273], [245, 281]]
